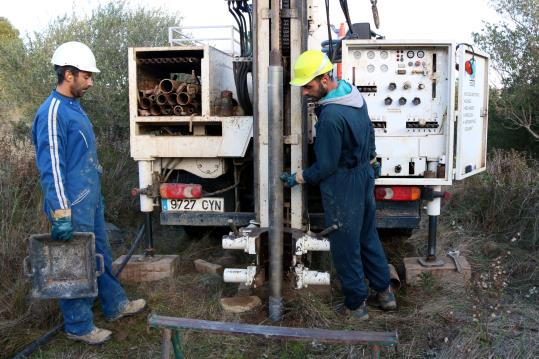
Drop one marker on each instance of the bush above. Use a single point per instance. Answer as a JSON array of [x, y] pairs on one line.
[[504, 200]]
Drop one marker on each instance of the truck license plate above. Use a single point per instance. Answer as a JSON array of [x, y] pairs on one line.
[[194, 205]]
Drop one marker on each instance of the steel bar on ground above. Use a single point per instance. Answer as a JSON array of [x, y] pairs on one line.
[[372, 339]]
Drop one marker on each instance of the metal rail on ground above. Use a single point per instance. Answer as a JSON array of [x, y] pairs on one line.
[[171, 334]]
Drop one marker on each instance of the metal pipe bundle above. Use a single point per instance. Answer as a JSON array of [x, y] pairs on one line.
[[169, 97]]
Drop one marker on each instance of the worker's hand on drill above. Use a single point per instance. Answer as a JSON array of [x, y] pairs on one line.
[[376, 167], [290, 180], [62, 228]]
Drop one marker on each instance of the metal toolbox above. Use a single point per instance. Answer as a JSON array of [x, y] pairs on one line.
[[64, 270]]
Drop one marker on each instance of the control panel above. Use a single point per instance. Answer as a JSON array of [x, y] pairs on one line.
[[408, 88]]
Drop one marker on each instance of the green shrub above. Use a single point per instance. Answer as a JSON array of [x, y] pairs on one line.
[[504, 200]]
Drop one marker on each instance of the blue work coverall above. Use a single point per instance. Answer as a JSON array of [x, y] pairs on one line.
[[70, 173], [343, 147]]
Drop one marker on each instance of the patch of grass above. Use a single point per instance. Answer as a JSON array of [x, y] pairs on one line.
[[427, 281], [498, 211]]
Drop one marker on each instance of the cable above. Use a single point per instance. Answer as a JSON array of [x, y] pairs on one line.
[[231, 10], [242, 27], [344, 7], [329, 30], [248, 9]]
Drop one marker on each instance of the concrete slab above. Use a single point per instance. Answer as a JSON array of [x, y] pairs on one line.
[[447, 270], [240, 304], [147, 269], [203, 266]]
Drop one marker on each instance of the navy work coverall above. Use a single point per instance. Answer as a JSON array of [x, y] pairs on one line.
[[70, 172], [343, 147]]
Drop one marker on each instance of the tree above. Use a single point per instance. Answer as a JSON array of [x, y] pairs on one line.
[[513, 45], [9, 38], [28, 75], [7, 31]]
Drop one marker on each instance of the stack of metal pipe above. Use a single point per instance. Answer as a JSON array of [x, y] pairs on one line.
[[170, 98]]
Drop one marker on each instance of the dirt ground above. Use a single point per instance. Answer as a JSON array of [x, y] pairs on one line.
[[436, 319]]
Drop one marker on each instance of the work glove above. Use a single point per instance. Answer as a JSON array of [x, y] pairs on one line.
[[376, 167], [289, 180], [62, 228]]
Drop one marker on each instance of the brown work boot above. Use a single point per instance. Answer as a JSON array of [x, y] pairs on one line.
[[131, 308], [357, 315], [386, 299], [96, 336]]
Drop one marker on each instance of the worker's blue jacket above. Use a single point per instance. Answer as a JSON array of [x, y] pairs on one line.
[[343, 147], [344, 134], [66, 155]]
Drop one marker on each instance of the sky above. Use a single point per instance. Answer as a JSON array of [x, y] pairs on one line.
[[413, 19]]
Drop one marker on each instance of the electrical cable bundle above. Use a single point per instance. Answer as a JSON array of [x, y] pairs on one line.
[[241, 68], [243, 65]]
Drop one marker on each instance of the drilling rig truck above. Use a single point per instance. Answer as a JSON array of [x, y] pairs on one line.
[[213, 130]]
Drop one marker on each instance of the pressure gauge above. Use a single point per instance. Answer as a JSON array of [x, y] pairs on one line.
[[370, 55], [410, 54], [384, 55], [420, 54], [357, 54], [383, 68], [370, 68]]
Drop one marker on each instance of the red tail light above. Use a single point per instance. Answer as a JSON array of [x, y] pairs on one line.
[[180, 190], [397, 193]]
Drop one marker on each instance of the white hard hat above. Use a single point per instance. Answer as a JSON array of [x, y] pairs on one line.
[[75, 54]]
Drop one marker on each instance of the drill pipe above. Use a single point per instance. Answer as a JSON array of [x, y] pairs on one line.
[[144, 103], [181, 87], [155, 110], [161, 99], [168, 85], [166, 109], [184, 98], [178, 111], [172, 98]]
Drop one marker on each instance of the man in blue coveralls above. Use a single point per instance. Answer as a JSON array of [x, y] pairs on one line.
[[344, 147], [70, 178]]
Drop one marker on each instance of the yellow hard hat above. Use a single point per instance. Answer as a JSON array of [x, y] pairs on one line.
[[310, 64]]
